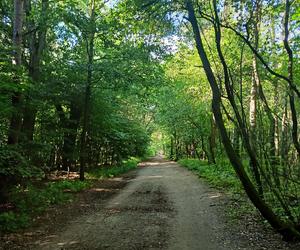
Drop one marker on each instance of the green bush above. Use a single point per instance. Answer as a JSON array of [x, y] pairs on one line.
[[12, 163], [219, 175], [10, 221], [106, 172], [34, 199], [31, 200]]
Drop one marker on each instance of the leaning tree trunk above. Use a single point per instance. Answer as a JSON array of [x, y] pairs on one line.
[[290, 75], [286, 229]]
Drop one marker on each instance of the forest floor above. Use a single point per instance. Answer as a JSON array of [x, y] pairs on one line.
[[160, 205]]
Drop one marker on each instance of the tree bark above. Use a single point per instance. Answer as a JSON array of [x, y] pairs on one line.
[[252, 123], [70, 134], [291, 76], [37, 41], [284, 145], [16, 118], [253, 99], [171, 147], [212, 142], [86, 109]]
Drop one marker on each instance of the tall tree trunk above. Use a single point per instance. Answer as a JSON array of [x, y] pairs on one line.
[[236, 141], [171, 147], [37, 43], [16, 119], [71, 126], [253, 103], [86, 109], [177, 145], [212, 141], [284, 145], [290, 75], [265, 210], [205, 154], [276, 122], [253, 123], [253, 98]]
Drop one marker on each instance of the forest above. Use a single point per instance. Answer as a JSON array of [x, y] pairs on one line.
[[89, 86]]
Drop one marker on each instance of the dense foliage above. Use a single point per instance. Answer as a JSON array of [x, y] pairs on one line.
[[78, 90]]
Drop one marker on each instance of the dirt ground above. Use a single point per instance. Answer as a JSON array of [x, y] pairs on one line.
[[158, 206]]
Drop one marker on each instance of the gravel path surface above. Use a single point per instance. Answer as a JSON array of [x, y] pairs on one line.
[[164, 207], [158, 206]]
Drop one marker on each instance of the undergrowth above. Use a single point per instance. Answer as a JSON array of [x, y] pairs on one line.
[[30, 200], [220, 176], [108, 172]]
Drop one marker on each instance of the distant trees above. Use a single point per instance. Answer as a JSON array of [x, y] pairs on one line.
[[184, 110]]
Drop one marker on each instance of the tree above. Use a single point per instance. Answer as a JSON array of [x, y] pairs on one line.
[[36, 44], [16, 119]]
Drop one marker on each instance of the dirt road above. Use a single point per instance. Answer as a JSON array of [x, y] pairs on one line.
[[164, 207], [157, 206]]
